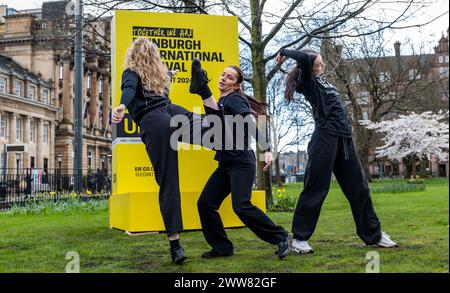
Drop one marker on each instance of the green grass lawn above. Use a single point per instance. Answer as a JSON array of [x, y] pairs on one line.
[[418, 221]]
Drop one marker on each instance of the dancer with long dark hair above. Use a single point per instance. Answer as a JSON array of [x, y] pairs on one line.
[[235, 174], [330, 150]]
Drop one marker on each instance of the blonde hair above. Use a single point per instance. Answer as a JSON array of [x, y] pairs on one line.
[[143, 58]]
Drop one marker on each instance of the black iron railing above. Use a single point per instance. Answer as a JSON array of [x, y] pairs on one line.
[[37, 185]]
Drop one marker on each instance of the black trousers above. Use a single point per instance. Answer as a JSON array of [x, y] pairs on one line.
[[156, 133], [328, 153], [237, 179]]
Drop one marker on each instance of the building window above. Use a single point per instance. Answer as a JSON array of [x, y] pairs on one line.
[[32, 162], [32, 92], [3, 85], [446, 72], [45, 96], [3, 125], [364, 98], [89, 159], [18, 161], [414, 74], [392, 95], [45, 169], [2, 162], [19, 125], [441, 72], [100, 86], [45, 133], [88, 81], [441, 59], [385, 76], [61, 70], [365, 116], [18, 88], [32, 130], [446, 58], [43, 26]]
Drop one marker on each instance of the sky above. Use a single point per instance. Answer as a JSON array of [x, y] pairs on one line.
[[427, 34]]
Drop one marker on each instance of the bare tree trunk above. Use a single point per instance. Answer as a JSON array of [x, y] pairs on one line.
[[277, 172], [363, 142], [193, 5], [258, 80], [342, 75], [269, 195], [410, 163], [413, 165], [423, 168]]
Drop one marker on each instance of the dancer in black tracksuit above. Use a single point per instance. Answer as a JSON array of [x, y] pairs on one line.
[[153, 113], [331, 149], [235, 175]]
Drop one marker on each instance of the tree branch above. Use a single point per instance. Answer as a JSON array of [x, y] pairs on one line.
[[277, 27]]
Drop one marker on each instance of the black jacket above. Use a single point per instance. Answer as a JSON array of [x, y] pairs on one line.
[[330, 114], [234, 105], [138, 100]]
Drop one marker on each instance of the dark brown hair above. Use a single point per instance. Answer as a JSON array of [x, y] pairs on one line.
[[257, 107], [294, 76]]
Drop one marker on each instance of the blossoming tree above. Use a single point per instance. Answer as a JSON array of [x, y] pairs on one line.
[[413, 137]]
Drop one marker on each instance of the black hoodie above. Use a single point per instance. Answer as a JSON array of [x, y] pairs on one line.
[[138, 100], [330, 114], [235, 105]]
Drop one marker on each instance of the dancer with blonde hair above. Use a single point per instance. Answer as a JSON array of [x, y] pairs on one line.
[[145, 89]]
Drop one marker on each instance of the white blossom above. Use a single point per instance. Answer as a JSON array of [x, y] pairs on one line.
[[422, 135]]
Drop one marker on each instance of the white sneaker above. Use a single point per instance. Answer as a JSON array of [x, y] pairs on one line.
[[386, 241], [301, 246]]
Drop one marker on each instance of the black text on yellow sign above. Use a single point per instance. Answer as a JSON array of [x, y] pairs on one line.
[[177, 46]]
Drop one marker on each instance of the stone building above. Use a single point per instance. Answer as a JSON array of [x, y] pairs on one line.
[[27, 116], [37, 88]]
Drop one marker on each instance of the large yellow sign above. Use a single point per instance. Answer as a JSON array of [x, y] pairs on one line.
[[134, 203]]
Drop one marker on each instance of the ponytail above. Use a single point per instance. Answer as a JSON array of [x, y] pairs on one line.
[[292, 84], [257, 108], [294, 76]]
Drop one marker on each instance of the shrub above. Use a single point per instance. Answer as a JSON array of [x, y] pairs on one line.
[[283, 201], [398, 188], [416, 181], [67, 205]]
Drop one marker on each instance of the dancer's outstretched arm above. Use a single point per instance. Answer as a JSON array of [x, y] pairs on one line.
[[302, 59], [129, 86]]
